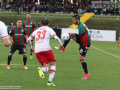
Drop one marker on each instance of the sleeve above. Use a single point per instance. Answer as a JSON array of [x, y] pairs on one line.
[[11, 32], [25, 31], [32, 36], [84, 36], [52, 33], [23, 24], [34, 25], [82, 31], [3, 32]]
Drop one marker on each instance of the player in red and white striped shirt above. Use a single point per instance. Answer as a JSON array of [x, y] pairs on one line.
[[4, 34], [43, 50]]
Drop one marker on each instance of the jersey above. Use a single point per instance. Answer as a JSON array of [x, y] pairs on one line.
[[18, 35], [29, 26], [3, 31], [42, 38], [84, 34]]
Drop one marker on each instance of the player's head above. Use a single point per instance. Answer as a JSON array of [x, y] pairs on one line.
[[45, 22], [19, 23], [28, 16], [76, 19]]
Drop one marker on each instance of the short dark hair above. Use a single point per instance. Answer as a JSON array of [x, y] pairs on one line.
[[19, 20], [45, 22], [76, 17], [28, 13]]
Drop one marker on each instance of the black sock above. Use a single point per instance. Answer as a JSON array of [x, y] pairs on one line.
[[30, 54], [24, 60], [66, 42], [9, 59], [49, 82], [84, 65]]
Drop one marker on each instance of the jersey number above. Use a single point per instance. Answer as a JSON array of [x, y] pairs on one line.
[[41, 35]]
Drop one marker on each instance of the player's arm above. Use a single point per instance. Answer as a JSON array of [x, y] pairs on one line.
[[34, 25], [23, 24], [31, 37], [25, 33], [5, 36], [55, 37], [7, 41]]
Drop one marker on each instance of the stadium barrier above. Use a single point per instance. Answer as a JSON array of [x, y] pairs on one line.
[[96, 35], [57, 30]]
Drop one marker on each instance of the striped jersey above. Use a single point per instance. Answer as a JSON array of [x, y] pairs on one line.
[[29, 26], [18, 35], [84, 34]]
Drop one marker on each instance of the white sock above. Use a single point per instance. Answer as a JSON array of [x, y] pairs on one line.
[[45, 69], [52, 73]]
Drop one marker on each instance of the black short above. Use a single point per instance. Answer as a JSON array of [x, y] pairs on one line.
[[25, 41], [21, 48], [82, 49]]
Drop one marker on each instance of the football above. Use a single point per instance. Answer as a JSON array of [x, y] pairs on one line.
[[65, 36]]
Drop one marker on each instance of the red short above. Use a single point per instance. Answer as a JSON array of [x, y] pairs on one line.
[[45, 56]]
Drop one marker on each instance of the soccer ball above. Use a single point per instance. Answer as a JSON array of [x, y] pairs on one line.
[[65, 36]]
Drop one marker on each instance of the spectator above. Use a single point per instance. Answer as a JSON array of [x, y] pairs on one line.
[[80, 9], [7, 6], [21, 8], [104, 11], [38, 25], [27, 6], [32, 3], [14, 7], [4, 7], [84, 9], [11, 24], [107, 11]]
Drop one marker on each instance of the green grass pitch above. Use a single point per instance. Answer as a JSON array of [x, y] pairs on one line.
[[103, 67]]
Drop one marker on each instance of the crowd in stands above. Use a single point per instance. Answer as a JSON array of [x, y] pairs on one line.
[[67, 7]]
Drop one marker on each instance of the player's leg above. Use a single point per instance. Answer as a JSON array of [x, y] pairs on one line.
[[42, 60], [118, 44], [25, 60], [12, 50], [31, 56], [83, 52], [9, 59], [51, 73], [22, 50], [72, 36], [51, 60]]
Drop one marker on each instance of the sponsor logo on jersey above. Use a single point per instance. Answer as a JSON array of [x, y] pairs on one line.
[[18, 34], [28, 26]]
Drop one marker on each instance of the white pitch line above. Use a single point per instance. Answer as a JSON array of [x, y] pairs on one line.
[[20, 64], [105, 52]]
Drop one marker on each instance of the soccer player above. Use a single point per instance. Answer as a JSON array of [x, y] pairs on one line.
[[83, 39], [4, 34], [18, 33], [30, 26], [43, 50]]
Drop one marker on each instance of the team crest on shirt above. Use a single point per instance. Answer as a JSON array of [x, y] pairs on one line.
[[22, 30]]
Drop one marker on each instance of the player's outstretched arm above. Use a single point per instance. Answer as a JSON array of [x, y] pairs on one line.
[[26, 37], [29, 42], [7, 41], [58, 40]]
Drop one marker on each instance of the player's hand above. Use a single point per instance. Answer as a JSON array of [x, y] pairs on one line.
[[26, 43], [32, 51], [87, 48], [61, 47]]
